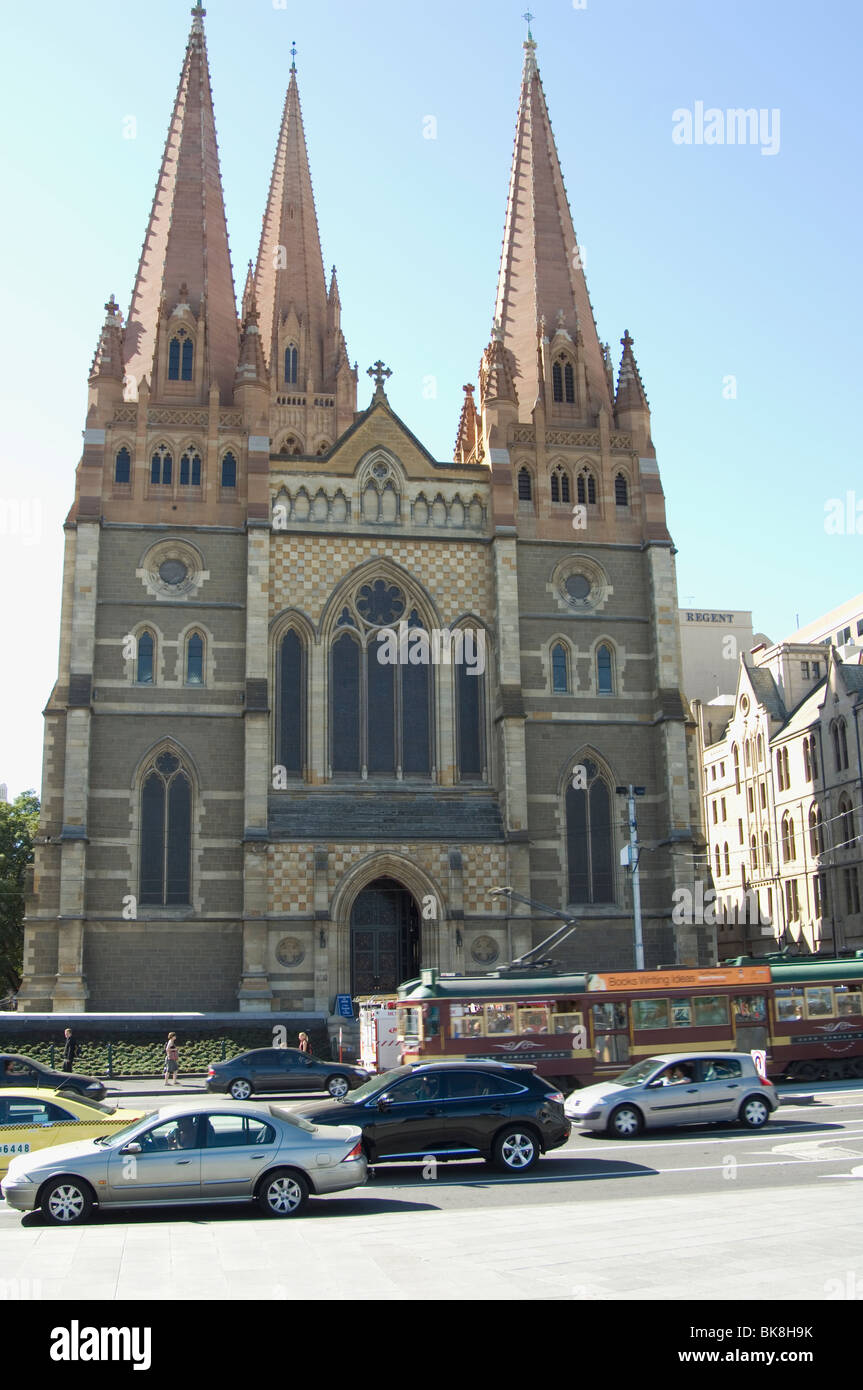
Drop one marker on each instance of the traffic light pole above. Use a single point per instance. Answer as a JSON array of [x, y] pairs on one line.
[[634, 855]]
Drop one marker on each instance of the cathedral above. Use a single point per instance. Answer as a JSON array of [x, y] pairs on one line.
[[319, 693]]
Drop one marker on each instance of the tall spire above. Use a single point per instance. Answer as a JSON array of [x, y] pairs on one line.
[[541, 272], [290, 271], [186, 256]]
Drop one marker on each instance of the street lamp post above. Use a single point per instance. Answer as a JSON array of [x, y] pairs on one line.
[[631, 793]]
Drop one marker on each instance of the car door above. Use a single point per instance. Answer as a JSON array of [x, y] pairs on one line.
[[475, 1105], [236, 1150], [721, 1083], [17, 1071], [167, 1168], [667, 1100], [267, 1069], [295, 1070], [408, 1120]]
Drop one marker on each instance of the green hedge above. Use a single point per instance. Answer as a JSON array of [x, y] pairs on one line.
[[145, 1053]]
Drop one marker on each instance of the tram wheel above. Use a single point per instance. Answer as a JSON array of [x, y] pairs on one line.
[[806, 1071]]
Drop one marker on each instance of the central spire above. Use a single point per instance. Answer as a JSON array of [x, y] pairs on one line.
[[541, 286]]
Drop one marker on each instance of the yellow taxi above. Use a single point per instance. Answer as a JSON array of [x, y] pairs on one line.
[[31, 1120]]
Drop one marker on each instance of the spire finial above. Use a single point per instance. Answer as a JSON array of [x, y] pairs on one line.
[[198, 18], [293, 55], [528, 16], [380, 374]]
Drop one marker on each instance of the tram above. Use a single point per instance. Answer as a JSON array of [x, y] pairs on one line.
[[805, 1013]]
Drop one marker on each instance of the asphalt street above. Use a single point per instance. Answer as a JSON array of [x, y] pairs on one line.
[[714, 1213]]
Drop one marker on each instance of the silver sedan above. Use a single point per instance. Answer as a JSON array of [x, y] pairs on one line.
[[692, 1088], [200, 1152]]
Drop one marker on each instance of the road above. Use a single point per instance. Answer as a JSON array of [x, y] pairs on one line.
[[717, 1213]]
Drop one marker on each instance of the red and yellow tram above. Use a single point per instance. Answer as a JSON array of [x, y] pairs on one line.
[[806, 1014]]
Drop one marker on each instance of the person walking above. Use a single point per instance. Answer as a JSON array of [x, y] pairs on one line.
[[304, 1044], [69, 1051], [172, 1060]]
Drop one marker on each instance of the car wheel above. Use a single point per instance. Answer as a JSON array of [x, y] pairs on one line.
[[625, 1122], [240, 1089], [754, 1112], [515, 1150], [283, 1193], [338, 1086], [66, 1202]]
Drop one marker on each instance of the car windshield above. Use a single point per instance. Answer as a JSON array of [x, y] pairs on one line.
[[378, 1084], [121, 1135], [640, 1072], [279, 1113], [96, 1105]]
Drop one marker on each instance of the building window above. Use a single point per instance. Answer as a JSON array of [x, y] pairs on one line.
[[840, 744], [559, 674], [469, 712], [816, 831], [166, 833], [346, 704], [560, 485], [750, 799], [724, 812], [292, 704], [717, 862], [195, 660], [819, 885], [715, 812], [190, 470], [123, 466], [525, 490], [161, 467], [767, 859], [785, 774], [291, 365], [563, 381], [762, 787], [816, 670], [590, 855], [804, 670], [789, 847], [181, 357], [621, 491], [146, 650], [604, 671], [727, 857], [753, 854], [852, 892], [846, 817], [229, 471], [747, 754], [586, 488], [735, 754], [760, 750]]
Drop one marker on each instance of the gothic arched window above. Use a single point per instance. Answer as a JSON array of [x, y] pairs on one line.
[[188, 359], [525, 489], [174, 360], [621, 491], [291, 365], [292, 704], [717, 862], [346, 704], [590, 855], [229, 471], [727, 857], [190, 469], [557, 381], [195, 659], [123, 466], [604, 671], [469, 720], [559, 673], [569, 384], [560, 485], [161, 467], [181, 357], [586, 488], [166, 833], [144, 668]]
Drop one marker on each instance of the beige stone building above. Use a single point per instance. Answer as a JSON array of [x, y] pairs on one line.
[[782, 792], [244, 806]]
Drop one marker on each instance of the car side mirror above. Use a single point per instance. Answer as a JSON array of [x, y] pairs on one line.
[[384, 1103], [132, 1148]]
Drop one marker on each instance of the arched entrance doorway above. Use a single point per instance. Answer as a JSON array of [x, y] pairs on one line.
[[385, 938]]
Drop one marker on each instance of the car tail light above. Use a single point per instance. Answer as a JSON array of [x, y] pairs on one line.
[[765, 1081], [556, 1096], [211, 1071], [355, 1153]]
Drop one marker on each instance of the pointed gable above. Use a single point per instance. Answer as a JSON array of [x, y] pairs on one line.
[[541, 279], [186, 254]]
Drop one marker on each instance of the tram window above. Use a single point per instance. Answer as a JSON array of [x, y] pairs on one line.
[[467, 1020], [500, 1018], [849, 1000], [411, 1026], [611, 1047], [710, 1010], [566, 1023], [609, 1016], [681, 1013], [533, 1020], [431, 1020], [649, 1013], [749, 1008], [819, 1002], [789, 1005]]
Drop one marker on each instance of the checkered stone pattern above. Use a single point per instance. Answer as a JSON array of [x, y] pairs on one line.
[[484, 868], [291, 878], [433, 859], [306, 570]]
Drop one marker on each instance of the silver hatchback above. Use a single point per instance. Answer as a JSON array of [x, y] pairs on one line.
[[200, 1152], [693, 1088]]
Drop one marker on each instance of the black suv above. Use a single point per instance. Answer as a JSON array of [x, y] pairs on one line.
[[496, 1110]]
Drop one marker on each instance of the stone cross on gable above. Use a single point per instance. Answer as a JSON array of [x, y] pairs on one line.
[[380, 374]]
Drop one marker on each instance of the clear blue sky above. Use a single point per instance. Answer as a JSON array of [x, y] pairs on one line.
[[720, 260]]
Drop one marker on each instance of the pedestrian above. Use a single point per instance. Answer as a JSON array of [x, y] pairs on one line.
[[172, 1060], [304, 1044], [69, 1052]]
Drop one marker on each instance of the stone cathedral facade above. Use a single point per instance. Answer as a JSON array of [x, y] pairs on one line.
[[244, 807]]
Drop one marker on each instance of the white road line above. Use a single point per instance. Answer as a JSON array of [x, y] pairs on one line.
[[624, 1145]]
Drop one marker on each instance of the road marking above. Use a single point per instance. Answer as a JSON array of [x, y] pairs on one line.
[[615, 1146]]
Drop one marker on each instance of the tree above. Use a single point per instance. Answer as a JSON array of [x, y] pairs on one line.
[[18, 826]]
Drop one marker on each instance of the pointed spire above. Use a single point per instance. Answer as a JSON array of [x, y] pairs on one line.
[[290, 268], [541, 271], [248, 290], [108, 357], [187, 237], [466, 444], [630, 389], [251, 367]]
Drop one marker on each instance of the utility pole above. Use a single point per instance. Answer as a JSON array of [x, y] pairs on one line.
[[633, 853]]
